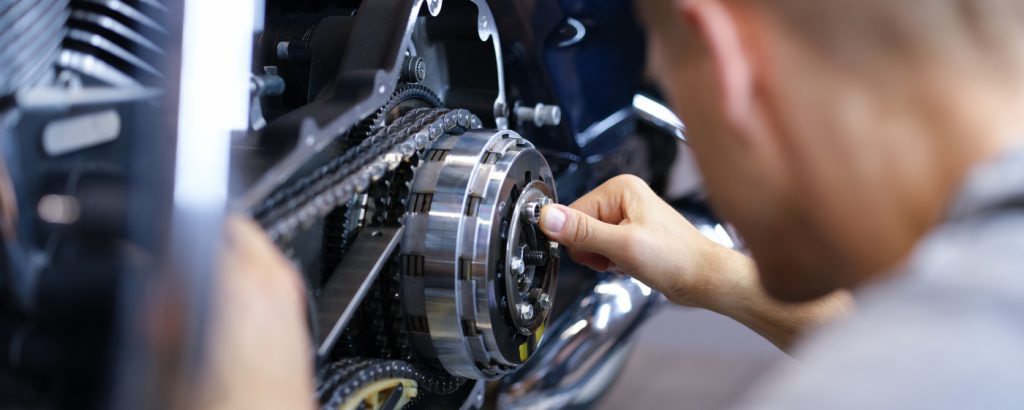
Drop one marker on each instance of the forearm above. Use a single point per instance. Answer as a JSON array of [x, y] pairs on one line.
[[735, 291]]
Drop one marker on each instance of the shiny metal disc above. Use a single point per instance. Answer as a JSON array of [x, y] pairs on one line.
[[471, 300]]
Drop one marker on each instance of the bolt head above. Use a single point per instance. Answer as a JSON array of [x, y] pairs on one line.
[[525, 311], [544, 301], [517, 265], [531, 210]]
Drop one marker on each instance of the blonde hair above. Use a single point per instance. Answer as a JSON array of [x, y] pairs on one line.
[[916, 28], [850, 32]]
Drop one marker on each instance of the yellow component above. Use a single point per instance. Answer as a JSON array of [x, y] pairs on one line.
[[524, 349], [374, 394]]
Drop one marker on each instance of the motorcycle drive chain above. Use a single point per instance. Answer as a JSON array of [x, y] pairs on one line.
[[387, 159]]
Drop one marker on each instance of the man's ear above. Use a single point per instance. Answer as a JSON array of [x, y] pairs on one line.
[[718, 28]]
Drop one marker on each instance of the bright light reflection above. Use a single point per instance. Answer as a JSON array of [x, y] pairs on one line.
[[575, 328], [216, 47], [725, 239], [622, 300], [646, 290], [604, 314], [646, 105]]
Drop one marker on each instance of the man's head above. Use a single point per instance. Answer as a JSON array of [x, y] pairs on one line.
[[821, 125]]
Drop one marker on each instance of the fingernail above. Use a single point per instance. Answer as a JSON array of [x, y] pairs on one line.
[[553, 219], [613, 268]]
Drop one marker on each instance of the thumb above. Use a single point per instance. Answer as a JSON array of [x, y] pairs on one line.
[[580, 231]]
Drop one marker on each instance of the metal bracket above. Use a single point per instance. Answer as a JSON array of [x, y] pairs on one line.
[[351, 281]]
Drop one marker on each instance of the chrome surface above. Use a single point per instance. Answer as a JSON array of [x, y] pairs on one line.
[[586, 344], [348, 285], [599, 128], [460, 285], [531, 211], [579, 32], [578, 345], [518, 287], [540, 115], [659, 115]]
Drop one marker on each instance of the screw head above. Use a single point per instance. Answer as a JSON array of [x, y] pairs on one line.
[[525, 311], [517, 265], [544, 301]]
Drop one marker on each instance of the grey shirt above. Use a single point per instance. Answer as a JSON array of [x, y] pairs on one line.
[[945, 332]]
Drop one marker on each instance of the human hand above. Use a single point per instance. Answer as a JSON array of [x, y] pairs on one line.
[[624, 227], [260, 355]]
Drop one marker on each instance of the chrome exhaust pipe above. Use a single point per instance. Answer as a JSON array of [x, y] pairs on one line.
[[579, 344], [584, 348]]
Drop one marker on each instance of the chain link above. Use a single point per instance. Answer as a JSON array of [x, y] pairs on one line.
[[313, 196]]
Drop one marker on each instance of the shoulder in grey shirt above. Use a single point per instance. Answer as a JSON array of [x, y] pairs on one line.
[[946, 332]]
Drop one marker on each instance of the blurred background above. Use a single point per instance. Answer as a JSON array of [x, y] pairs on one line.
[[691, 359]]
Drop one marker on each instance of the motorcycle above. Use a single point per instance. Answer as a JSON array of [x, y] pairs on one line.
[[397, 151]]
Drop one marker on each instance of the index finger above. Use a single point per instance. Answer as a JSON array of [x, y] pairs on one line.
[[611, 202]]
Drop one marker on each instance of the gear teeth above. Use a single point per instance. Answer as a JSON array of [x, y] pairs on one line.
[[385, 158], [341, 381]]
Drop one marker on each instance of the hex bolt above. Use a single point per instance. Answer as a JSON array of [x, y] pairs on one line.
[[544, 301], [525, 311], [535, 258], [531, 210], [540, 115], [414, 69], [517, 265]]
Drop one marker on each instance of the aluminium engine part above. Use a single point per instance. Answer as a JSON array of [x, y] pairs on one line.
[[115, 43], [478, 276], [32, 34]]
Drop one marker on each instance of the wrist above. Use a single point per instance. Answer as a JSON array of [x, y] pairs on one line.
[[729, 280]]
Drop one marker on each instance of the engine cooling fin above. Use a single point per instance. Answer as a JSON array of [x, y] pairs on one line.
[[33, 31], [114, 42]]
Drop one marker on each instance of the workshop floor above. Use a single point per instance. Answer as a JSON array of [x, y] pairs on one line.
[[690, 359]]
